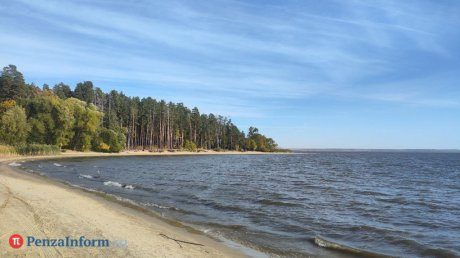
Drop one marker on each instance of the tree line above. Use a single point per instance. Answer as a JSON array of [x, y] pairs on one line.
[[87, 118]]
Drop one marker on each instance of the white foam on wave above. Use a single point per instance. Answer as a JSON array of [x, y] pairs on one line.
[[111, 183], [58, 165], [124, 199], [15, 164], [156, 205], [86, 176], [139, 204]]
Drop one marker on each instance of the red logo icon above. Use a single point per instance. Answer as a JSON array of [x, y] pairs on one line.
[[16, 241]]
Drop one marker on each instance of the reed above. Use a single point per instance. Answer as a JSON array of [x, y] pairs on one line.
[[7, 150], [37, 149]]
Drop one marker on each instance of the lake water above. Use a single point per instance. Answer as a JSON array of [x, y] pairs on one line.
[[394, 203]]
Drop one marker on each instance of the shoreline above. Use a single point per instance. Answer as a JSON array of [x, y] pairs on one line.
[[79, 154], [34, 205]]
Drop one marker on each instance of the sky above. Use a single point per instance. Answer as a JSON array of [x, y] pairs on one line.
[[310, 74]]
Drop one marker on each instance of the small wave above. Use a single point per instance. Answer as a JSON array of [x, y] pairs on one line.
[[368, 192], [422, 249], [217, 205], [157, 206], [276, 203], [86, 176], [58, 165], [396, 199], [207, 230], [112, 183], [225, 207], [148, 189], [225, 226], [124, 199], [329, 244], [15, 164], [438, 252]]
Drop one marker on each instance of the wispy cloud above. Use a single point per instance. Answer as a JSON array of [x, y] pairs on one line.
[[237, 55]]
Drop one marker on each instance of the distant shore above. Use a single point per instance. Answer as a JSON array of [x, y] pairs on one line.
[[31, 205]]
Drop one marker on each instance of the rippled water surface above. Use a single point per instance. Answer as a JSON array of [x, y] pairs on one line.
[[396, 203]]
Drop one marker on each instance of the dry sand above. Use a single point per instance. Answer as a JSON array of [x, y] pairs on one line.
[[31, 205]]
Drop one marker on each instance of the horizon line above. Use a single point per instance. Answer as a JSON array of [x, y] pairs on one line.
[[373, 149]]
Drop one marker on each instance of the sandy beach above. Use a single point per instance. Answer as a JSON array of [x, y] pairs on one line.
[[31, 205]]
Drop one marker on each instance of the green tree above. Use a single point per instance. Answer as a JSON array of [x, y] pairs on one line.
[[72, 119], [251, 145], [12, 85], [7, 104], [195, 124], [84, 91], [86, 122], [62, 90], [260, 142], [50, 119], [13, 126], [99, 99], [115, 141], [252, 132]]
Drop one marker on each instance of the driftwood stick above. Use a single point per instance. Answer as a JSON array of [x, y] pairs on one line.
[[180, 241]]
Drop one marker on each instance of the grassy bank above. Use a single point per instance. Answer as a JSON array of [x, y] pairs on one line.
[[29, 150]]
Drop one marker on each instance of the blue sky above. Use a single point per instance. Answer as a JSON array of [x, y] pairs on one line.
[[315, 74]]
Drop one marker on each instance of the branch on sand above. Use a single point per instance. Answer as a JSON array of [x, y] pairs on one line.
[[180, 241]]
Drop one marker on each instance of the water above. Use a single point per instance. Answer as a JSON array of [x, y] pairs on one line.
[[395, 203]]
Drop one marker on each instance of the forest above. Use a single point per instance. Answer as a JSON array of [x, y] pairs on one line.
[[86, 118]]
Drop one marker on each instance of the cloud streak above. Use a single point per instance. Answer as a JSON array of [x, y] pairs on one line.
[[242, 55]]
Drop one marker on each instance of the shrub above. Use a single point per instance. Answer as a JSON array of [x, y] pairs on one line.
[[252, 145], [190, 146], [103, 147], [7, 150], [37, 149], [109, 141]]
